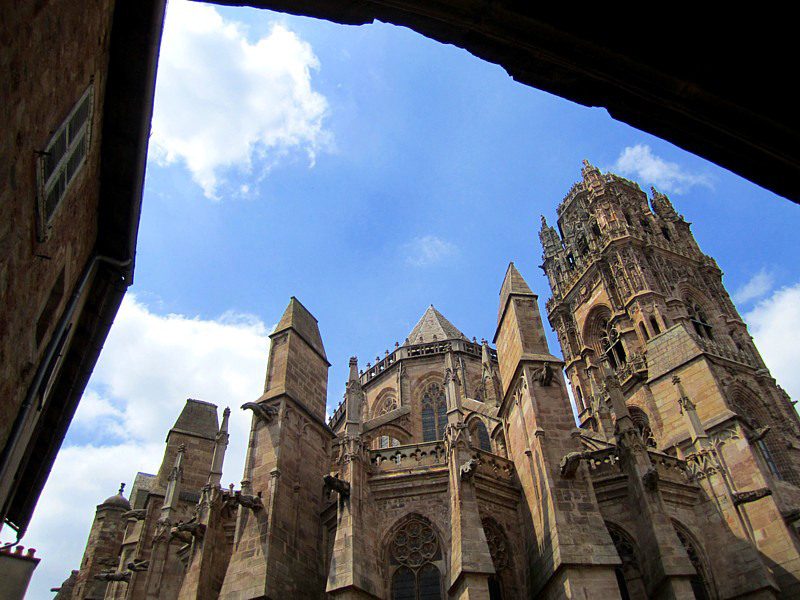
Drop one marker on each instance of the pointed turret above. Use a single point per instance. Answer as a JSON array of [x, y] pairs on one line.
[[513, 285], [354, 399], [215, 476], [662, 205], [433, 327]]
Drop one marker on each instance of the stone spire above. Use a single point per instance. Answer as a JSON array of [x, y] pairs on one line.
[[215, 476], [513, 285], [354, 399], [433, 327], [662, 205]]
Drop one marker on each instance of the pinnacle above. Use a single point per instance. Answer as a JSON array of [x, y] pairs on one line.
[[298, 317]]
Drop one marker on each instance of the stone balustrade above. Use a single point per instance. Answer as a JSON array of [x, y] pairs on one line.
[[494, 466], [409, 456]]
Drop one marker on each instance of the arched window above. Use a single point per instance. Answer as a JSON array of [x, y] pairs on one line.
[[413, 551], [643, 330], [698, 319], [629, 575], [387, 441], [499, 551], [483, 436], [654, 325], [434, 413], [579, 398], [699, 581], [642, 423], [611, 344]]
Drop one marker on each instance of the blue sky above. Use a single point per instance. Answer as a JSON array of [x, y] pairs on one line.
[[369, 172]]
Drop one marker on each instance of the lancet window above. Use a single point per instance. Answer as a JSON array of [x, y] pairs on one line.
[[414, 551], [629, 575], [699, 321], [499, 551], [480, 432], [434, 413], [611, 344]]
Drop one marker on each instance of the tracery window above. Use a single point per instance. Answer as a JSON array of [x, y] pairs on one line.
[[611, 344], [413, 550], [699, 321], [434, 413], [389, 404], [698, 581], [629, 575], [480, 431], [499, 551]]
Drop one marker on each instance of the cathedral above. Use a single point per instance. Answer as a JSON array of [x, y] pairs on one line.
[[463, 470]]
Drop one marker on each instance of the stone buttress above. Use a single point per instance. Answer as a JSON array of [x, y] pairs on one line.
[[277, 542], [570, 552]]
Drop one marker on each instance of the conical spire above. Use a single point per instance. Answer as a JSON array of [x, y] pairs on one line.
[[513, 285], [433, 327]]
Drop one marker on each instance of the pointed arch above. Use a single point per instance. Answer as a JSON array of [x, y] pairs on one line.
[[415, 560], [702, 581], [642, 422], [629, 574]]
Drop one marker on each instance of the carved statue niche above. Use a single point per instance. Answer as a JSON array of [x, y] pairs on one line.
[[264, 413], [333, 483]]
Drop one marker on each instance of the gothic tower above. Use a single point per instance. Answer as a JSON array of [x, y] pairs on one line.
[[638, 308]]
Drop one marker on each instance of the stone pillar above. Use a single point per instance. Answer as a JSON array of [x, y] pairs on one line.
[[353, 570], [277, 550]]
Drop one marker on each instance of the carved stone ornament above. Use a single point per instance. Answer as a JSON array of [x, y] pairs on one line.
[[138, 565], [468, 469], [757, 435], [650, 479], [333, 483], [254, 503], [192, 527], [750, 496], [137, 514], [264, 413], [114, 576], [570, 462], [544, 375]]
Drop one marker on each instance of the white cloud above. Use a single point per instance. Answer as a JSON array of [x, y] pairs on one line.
[[759, 284], [775, 326], [428, 250], [640, 162], [149, 365], [223, 102]]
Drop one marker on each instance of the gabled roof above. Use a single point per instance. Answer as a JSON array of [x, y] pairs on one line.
[[432, 327]]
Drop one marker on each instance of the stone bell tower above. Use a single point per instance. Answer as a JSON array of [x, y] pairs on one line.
[[634, 299]]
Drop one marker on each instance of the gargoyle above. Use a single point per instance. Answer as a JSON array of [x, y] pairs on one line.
[[545, 375], [650, 479], [468, 469], [114, 576], [138, 565], [750, 496], [332, 482], [137, 513], [570, 462], [265, 413], [192, 527], [757, 435], [254, 503]]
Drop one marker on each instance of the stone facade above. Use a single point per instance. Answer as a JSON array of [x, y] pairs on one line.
[[455, 470]]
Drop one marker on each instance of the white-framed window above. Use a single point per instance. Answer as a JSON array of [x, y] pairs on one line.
[[62, 159]]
